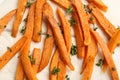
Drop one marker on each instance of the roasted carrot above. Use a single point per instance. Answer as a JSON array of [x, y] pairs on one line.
[[30, 22], [99, 4], [83, 20], [29, 71], [62, 73], [48, 47], [54, 65], [19, 72], [38, 20], [48, 13], [107, 55], [66, 29], [5, 19], [104, 23], [19, 16], [79, 36], [9, 54], [64, 3]]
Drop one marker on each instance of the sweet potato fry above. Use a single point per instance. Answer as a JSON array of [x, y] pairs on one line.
[[29, 71], [107, 55], [104, 23], [66, 29], [79, 36], [9, 54], [48, 13], [83, 20], [53, 65], [38, 20], [4, 21], [99, 4], [62, 73], [36, 57], [64, 3], [48, 48], [30, 22], [19, 16]]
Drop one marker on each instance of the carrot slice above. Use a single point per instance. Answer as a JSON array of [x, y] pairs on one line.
[[104, 23], [107, 55], [99, 4], [38, 20], [53, 65], [48, 13], [62, 73], [83, 20], [66, 29], [36, 57], [30, 22], [9, 54], [19, 16], [30, 73], [79, 36], [64, 3], [5, 19], [47, 51]]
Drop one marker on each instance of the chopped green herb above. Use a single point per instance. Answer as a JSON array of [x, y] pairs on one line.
[[85, 7], [25, 20], [73, 50], [95, 28], [100, 63], [60, 28], [23, 29], [33, 61], [91, 18], [72, 22], [9, 49], [28, 4], [69, 10], [113, 69], [55, 71], [48, 35], [67, 77], [90, 10]]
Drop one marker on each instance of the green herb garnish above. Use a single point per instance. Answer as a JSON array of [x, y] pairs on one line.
[[48, 35], [73, 50], [23, 29], [25, 20], [72, 22], [69, 10], [55, 71], [67, 77], [100, 63], [8, 48], [28, 4], [95, 28], [33, 61], [90, 10]]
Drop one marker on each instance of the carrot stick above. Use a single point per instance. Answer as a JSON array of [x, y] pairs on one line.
[[5, 19], [62, 73], [30, 22], [38, 20], [36, 57], [83, 20], [48, 13], [99, 4], [30, 73], [9, 54], [47, 51], [105, 24], [107, 55], [66, 29], [53, 65], [64, 3], [79, 36], [19, 16], [20, 72]]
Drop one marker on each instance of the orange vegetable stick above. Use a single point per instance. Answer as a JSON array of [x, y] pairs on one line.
[[79, 36], [48, 13], [62, 73], [99, 4], [48, 48], [66, 29], [64, 3], [30, 22], [54, 64], [5, 19], [38, 20], [83, 20], [107, 55], [19, 15], [36, 56], [9, 54], [29, 71], [105, 24]]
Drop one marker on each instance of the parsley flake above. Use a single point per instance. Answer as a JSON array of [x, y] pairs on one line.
[[73, 50], [28, 4], [55, 71], [8, 48], [69, 10], [100, 63], [33, 61]]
